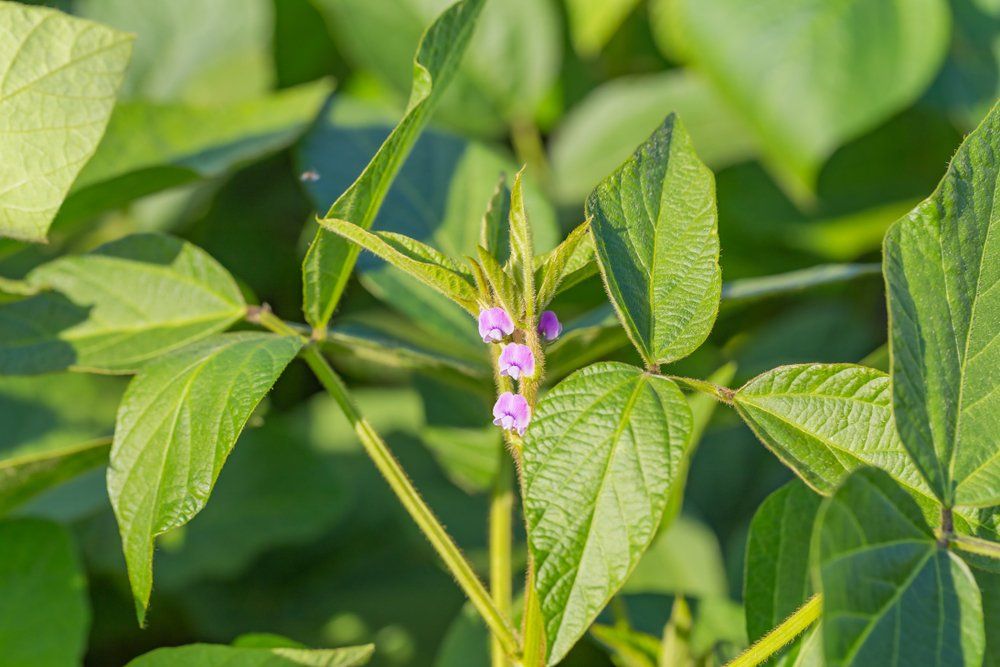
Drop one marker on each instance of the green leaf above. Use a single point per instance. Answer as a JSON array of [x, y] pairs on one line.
[[655, 233], [566, 258], [778, 563], [942, 268], [60, 76], [825, 420], [685, 559], [117, 307], [593, 22], [598, 134], [513, 58], [177, 423], [330, 260], [150, 147], [209, 655], [675, 648], [494, 232], [422, 262], [522, 250], [191, 51], [600, 456], [628, 647], [784, 67], [989, 586], [891, 596], [502, 284], [24, 477], [43, 596]]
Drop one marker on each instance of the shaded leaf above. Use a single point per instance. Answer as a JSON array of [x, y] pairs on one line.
[[657, 243], [942, 268], [117, 307], [43, 596], [891, 596], [600, 456], [176, 425], [60, 76], [593, 22], [330, 260], [23, 477]]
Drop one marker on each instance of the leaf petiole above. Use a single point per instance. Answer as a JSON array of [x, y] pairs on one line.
[[777, 638]]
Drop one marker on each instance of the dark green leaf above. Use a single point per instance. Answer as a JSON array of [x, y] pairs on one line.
[[43, 596], [176, 425], [602, 452], [891, 596], [942, 268], [208, 655], [60, 76], [117, 307], [655, 233], [330, 260]]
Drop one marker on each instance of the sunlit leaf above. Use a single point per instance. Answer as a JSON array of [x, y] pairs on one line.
[[209, 655]]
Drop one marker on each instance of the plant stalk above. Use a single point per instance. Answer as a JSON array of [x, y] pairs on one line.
[[501, 510], [376, 448], [780, 636]]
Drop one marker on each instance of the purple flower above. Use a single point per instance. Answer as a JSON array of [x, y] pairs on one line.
[[512, 412], [549, 325], [494, 324], [517, 361]]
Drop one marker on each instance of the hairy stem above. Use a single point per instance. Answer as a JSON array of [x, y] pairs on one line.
[[401, 485], [718, 392], [777, 638], [501, 509]]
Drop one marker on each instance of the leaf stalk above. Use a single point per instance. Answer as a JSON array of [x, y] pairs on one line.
[[780, 636]]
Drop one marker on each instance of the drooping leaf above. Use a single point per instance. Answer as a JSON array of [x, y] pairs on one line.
[[190, 51], [420, 261], [593, 22], [891, 595], [657, 243], [117, 307], [777, 580], [150, 147], [177, 423], [784, 67], [60, 76], [597, 135], [211, 655], [601, 454], [330, 260], [43, 596], [942, 268], [513, 57]]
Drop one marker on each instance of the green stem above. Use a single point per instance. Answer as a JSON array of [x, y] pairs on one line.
[[402, 486], [534, 626], [718, 392], [777, 638], [501, 509]]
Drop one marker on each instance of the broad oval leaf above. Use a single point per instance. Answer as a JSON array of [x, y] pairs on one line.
[[656, 237], [59, 79], [942, 269], [600, 458], [777, 579], [212, 655], [177, 423], [43, 596], [891, 596], [117, 307], [330, 259], [808, 76], [826, 420]]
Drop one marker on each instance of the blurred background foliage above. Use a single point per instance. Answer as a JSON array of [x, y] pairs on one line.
[[824, 122]]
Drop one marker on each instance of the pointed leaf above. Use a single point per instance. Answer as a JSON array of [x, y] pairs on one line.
[[777, 562], [330, 260], [502, 284], [782, 64], [655, 233], [210, 655], [59, 79], [560, 262], [942, 268], [43, 596], [600, 456], [177, 423], [117, 307], [494, 231], [522, 251], [891, 596], [420, 261]]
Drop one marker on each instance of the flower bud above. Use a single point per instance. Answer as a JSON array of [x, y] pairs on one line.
[[517, 361], [495, 324], [549, 326], [511, 412]]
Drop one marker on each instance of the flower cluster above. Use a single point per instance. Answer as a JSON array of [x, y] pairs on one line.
[[511, 411]]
